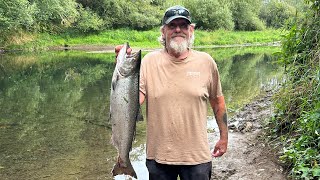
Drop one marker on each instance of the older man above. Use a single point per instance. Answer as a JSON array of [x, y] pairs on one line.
[[177, 83]]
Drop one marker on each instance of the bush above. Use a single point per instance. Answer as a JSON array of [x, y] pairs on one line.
[[138, 14], [88, 21], [211, 14], [276, 13], [245, 15], [142, 15], [55, 15], [15, 15]]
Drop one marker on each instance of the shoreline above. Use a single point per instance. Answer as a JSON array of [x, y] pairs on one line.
[[110, 48]]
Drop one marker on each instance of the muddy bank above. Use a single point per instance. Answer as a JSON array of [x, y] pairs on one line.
[[248, 156]]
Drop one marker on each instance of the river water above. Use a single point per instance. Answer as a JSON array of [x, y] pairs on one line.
[[54, 109]]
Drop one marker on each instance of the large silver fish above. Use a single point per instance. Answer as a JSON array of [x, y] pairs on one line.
[[125, 107]]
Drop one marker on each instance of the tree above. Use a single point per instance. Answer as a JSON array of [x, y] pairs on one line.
[[137, 14], [211, 14], [245, 15], [88, 20], [53, 15], [276, 13], [15, 15]]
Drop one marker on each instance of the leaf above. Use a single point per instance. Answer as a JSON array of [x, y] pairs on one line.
[[316, 172]]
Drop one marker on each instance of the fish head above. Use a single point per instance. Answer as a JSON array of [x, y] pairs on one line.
[[128, 63]]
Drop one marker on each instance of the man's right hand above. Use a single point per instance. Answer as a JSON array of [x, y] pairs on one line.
[[118, 48]]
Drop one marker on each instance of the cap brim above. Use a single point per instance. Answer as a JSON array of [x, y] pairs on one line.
[[176, 17]]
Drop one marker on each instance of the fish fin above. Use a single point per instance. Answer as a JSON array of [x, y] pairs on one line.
[[121, 168], [139, 115]]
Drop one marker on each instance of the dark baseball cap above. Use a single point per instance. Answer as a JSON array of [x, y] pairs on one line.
[[176, 12]]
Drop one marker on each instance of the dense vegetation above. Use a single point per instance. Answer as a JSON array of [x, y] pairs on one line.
[[296, 122], [20, 20]]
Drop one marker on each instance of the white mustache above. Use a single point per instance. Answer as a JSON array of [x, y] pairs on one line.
[[178, 35]]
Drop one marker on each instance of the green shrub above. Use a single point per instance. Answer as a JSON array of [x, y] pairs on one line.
[[55, 15], [276, 13], [245, 15], [88, 21], [138, 14], [16, 14], [211, 14]]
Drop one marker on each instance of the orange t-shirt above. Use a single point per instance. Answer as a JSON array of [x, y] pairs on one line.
[[177, 94]]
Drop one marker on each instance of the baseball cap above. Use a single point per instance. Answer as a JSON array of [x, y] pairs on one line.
[[175, 12]]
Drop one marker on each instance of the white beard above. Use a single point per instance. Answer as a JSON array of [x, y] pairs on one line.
[[179, 47]]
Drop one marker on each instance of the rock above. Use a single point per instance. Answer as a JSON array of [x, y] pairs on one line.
[[246, 127], [234, 126]]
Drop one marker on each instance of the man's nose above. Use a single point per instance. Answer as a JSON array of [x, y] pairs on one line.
[[178, 28]]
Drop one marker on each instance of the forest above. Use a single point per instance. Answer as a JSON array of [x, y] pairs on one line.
[[56, 16]]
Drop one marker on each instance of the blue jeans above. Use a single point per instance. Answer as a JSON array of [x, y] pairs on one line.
[[159, 171]]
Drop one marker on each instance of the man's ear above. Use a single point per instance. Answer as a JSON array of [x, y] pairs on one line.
[[192, 26], [162, 31]]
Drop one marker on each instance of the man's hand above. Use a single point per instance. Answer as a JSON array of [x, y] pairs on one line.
[[220, 148], [118, 48]]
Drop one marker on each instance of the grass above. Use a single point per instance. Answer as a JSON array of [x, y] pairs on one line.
[[222, 37], [142, 39]]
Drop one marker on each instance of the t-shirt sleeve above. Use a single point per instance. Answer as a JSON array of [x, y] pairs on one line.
[[215, 89], [142, 80]]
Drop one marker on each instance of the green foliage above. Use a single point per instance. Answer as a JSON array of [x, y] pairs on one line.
[[143, 16], [16, 14], [52, 15], [245, 15], [276, 13], [138, 14], [88, 21], [298, 101], [83, 16], [211, 14]]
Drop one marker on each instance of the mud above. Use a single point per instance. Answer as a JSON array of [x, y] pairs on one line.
[[248, 156]]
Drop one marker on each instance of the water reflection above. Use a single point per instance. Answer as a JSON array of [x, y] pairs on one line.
[[54, 111]]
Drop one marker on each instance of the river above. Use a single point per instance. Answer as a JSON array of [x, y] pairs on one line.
[[54, 109]]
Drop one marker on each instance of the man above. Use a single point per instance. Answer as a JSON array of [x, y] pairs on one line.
[[177, 83]]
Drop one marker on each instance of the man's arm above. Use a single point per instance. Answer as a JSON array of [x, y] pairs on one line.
[[141, 97], [219, 109]]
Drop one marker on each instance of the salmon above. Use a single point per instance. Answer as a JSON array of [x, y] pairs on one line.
[[125, 108]]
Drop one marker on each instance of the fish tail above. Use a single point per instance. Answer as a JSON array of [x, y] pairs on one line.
[[122, 168]]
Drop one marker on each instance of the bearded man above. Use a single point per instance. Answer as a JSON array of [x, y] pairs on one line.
[[177, 83]]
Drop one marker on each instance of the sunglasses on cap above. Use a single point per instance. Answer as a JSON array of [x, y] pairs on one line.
[[176, 12]]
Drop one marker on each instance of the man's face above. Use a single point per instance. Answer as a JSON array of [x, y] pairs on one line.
[[177, 34]]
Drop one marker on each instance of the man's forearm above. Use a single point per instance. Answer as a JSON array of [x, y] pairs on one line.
[[222, 121], [219, 109]]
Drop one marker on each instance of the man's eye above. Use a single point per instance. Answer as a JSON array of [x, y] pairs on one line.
[[171, 26], [183, 26]]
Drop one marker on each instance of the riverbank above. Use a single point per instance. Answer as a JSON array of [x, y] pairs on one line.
[[248, 156], [137, 39]]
